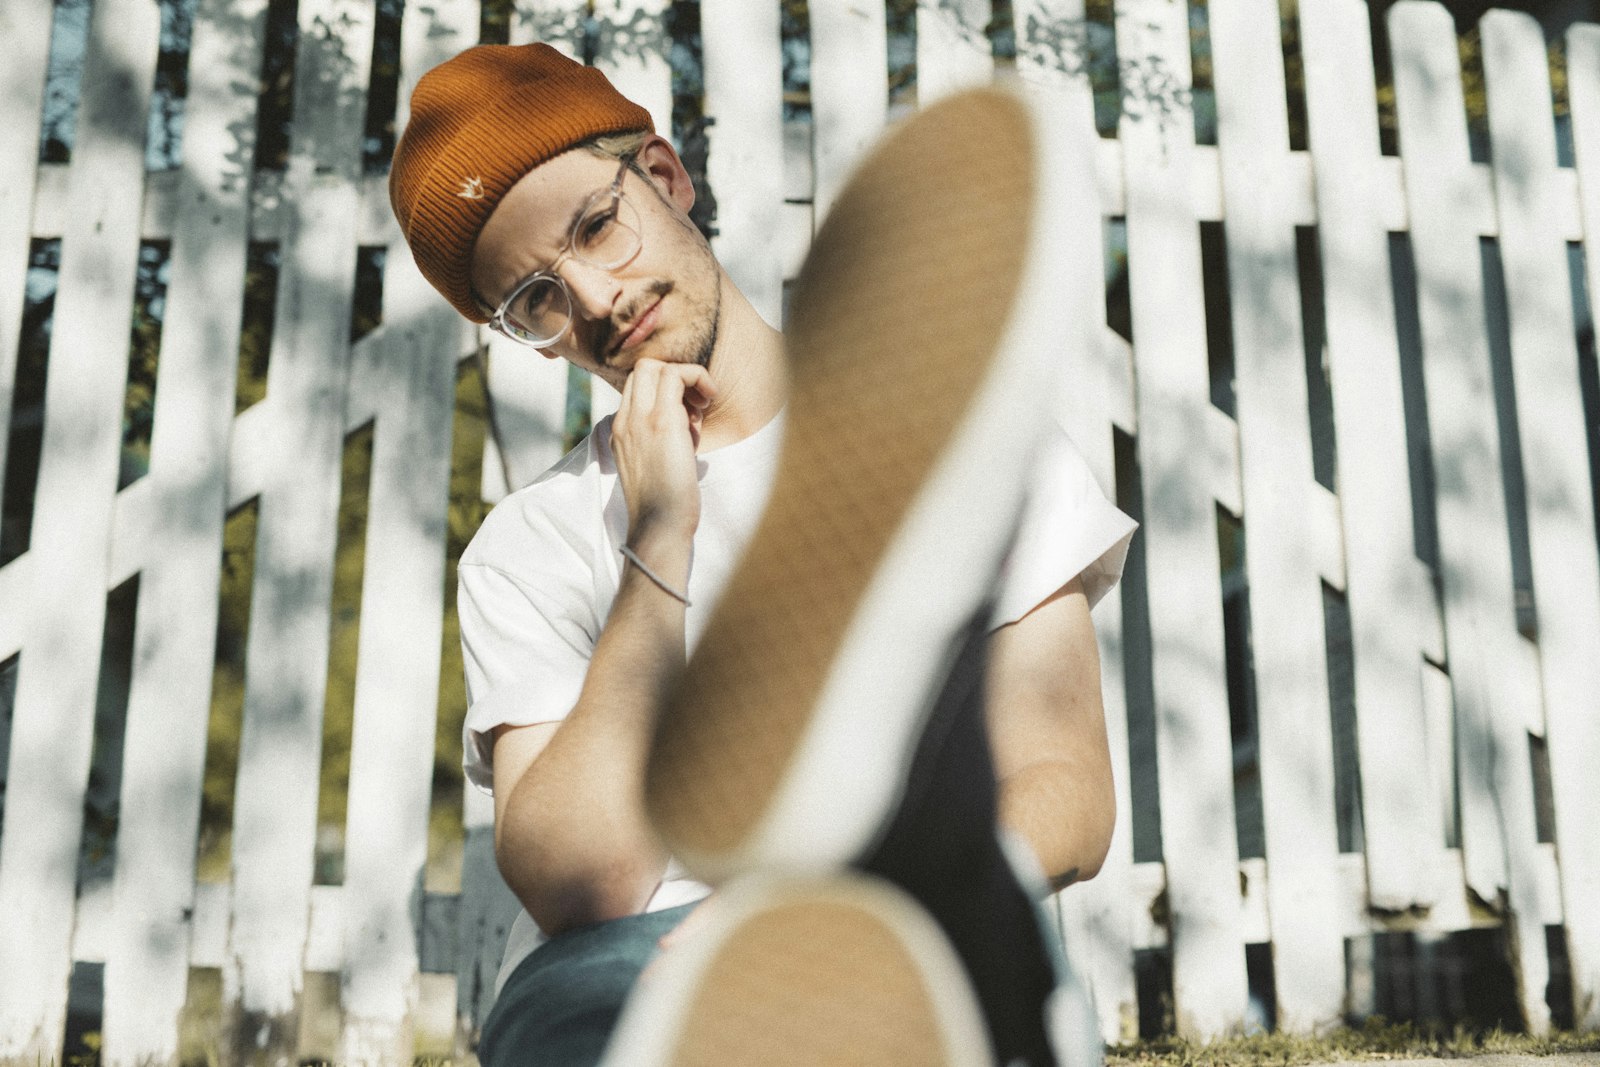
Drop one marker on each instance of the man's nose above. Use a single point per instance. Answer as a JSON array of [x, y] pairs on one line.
[[594, 291]]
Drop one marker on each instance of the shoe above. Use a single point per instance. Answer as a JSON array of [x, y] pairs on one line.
[[924, 341], [804, 973]]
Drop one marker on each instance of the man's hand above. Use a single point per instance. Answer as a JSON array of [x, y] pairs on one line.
[[654, 437]]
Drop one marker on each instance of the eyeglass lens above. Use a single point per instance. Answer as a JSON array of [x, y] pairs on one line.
[[606, 236]]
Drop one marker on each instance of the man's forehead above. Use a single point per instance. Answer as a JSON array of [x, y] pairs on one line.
[[553, 183]]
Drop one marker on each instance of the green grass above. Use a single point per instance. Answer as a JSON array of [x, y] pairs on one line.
[[1377, 1040]]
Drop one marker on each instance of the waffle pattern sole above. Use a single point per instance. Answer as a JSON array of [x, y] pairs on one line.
[[827, 973], [896, 321]]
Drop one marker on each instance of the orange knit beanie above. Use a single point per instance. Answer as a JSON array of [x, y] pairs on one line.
[[479, 122]]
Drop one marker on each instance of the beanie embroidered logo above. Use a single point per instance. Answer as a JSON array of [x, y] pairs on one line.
[[471, 189]]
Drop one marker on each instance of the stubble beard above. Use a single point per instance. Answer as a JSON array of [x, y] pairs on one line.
[[708, 334]]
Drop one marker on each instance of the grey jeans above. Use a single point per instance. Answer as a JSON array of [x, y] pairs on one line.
[[559, 1006]]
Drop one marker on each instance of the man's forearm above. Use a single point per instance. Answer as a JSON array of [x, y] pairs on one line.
[[573, 841]]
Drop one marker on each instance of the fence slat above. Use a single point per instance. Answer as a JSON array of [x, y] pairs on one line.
[[397, 668], [1095, 915], [745, 167], [484, 919], [528, 395], [1388, 595], [16, 582], [412, 370], [1573, 735], [1551, 425], [849, 89], [557, 23], [25, 28], [603, 401], [147, 964], [632, 51], [1294, 722], [53, 728], [952, 47], [275, 807], [1496, 782], [1194, 753]]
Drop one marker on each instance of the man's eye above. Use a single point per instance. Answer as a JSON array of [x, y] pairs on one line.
[[536, 300], [595, 227]]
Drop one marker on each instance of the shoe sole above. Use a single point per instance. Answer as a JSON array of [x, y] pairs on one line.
[[847, 971], [916, 372]]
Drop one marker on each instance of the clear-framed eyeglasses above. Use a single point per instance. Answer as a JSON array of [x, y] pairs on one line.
[[605, 234]]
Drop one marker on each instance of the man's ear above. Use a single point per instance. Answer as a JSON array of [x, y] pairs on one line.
[[658, 159]]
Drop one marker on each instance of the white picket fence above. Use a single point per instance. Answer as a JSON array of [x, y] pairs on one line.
[[1447, 690]]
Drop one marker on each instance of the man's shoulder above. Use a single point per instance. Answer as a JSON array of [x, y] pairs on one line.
[[561, 507]]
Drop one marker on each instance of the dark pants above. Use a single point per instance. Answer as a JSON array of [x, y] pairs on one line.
[[560, 1005], [941, 847]]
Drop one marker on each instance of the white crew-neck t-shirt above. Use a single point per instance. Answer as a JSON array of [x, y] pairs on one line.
[[537, 581]]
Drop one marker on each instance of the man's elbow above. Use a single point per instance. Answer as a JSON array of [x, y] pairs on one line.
[[559, 908], [1100, 825], [562, 897], [1092, 830]]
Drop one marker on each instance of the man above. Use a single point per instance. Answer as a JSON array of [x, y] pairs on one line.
[[537, 199]]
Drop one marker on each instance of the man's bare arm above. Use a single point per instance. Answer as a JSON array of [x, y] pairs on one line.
[[571, 836], [1047, 726]]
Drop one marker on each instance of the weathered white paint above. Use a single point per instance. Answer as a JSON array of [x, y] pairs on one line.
[[1566, 565], [1572, 733], [397, 678], [275, 804], [484, 918], [53, 726], [528, 397], [1389, 597], [411, 371], [1294, 723], [177, 545], [25, 28], [1439, 736], [603, 401], [743, 62], [1194, 753], [557, 23], [16, 580], [632, 50], [1497, 831], [849, 89], [952, 47]]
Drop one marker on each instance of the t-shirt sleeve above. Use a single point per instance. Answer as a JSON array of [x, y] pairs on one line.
[[1069, 530], [525, 657]]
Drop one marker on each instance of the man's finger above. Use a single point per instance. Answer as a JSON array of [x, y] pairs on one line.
[[696, 377], [645, 381]]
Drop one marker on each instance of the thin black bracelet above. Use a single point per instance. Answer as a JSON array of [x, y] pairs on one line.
[[633, 557]]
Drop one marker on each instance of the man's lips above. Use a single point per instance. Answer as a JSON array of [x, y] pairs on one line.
[[642, 328]]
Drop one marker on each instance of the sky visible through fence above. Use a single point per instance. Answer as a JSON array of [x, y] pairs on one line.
[[1130, 86]]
